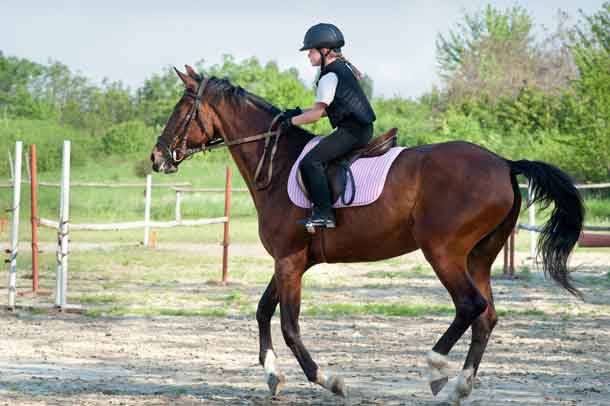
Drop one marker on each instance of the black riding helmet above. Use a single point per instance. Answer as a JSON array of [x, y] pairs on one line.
[[323, 36]]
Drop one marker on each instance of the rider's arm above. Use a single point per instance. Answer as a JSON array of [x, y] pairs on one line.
[[310, 115], [325, 93]]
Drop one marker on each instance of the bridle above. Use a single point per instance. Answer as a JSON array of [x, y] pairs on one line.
[[179, 143], [170, 151]]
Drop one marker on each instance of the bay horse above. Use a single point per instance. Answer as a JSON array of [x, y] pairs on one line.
[[455, 201]]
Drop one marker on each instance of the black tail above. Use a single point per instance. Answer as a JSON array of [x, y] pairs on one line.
[[561, 232]]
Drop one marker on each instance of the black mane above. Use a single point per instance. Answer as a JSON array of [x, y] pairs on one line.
[[222, 89]]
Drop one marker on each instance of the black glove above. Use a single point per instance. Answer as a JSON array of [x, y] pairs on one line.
[[285, 125], [289, 113], [285, 119]]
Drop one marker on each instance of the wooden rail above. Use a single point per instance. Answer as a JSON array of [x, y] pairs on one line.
[[130, 225]]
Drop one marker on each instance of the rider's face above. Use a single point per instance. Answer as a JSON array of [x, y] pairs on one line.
[[314, 57]]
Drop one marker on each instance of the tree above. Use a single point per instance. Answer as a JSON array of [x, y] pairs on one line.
[[511, 25], [16, 79], [157, 97], [494, 55], [590, 123]]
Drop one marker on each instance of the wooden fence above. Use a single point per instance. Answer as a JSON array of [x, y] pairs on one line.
[[63, 225]]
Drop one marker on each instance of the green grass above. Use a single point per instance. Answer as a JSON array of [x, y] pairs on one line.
[[331, 310], [603, 281], [503, 312], [404, 310], [388, 274], [345, 309], [122, 311], [414, 272], [100, 299], [597, 211], [523, 272]]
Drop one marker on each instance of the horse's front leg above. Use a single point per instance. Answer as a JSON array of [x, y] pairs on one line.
[[288, 273], [267, 357]]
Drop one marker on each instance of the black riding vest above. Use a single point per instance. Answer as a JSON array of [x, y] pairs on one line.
[[350, 105]]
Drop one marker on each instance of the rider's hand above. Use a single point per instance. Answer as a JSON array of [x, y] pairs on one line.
[[285, 125], [289, 113]]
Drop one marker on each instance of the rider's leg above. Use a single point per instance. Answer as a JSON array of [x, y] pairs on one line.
[[313, 165]]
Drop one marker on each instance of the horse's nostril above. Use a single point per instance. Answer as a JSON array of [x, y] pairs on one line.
[[152, 157]]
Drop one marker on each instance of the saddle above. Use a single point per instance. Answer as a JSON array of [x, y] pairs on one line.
[[338, 170]]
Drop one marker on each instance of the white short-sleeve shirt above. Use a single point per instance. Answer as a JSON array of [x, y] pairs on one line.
[[327, 86]]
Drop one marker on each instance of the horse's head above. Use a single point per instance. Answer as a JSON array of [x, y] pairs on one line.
[[190, 127]]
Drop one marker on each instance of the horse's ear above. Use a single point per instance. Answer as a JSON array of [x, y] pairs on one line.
[[186, 79], [191, 72]]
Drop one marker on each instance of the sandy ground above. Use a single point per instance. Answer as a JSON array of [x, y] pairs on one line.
[[561, 358]]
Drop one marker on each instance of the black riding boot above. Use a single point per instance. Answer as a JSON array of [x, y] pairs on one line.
[[322, 215], [319, 219]]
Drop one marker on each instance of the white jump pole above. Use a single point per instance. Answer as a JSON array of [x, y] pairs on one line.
[[532, 220], [61, 286], [147, 209], [12, 273]]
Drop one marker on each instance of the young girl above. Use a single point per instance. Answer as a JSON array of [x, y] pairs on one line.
[[340, 97]]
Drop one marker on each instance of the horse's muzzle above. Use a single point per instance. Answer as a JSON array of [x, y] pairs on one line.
[[160, 162]]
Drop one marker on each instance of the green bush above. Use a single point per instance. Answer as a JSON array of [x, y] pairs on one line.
[[128, 138], [142, 168], [415, 122], [48, 137]]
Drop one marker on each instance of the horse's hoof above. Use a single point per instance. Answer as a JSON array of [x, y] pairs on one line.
[[465, 382], [437, 385], [275, 383], [336, 384]]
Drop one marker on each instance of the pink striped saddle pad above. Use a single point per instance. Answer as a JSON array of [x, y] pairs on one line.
[[369, 176]]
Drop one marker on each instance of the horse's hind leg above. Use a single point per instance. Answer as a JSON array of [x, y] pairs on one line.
[[450, 266], [480, 261], [481, 329], [267, 357]]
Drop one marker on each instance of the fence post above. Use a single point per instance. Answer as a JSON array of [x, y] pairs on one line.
[[532, 220], [147, 209], [12, 273], [34, 216], [509, 256], [505, 250], [511, 265], [226, 241], [63, 230], [178, 205]]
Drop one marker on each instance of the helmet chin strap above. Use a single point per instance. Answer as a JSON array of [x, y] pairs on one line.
[[323, 57]]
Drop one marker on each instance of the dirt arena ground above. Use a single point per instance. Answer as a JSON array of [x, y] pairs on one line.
[[556, 355]]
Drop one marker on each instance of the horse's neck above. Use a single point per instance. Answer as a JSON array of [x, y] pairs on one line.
[[248, 155]]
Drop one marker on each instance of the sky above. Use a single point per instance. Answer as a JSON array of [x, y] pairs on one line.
[[391, 41]]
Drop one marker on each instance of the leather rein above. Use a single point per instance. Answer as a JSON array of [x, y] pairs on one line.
[[179, 143]]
